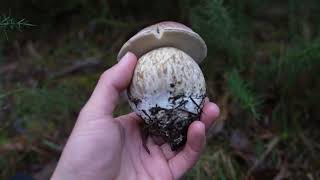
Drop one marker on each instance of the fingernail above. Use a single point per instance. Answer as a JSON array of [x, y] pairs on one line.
[[126, 56], [123, 59]]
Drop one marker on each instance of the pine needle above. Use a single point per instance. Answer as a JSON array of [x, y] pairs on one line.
[[9, 23], [214, 23], [242, 93]]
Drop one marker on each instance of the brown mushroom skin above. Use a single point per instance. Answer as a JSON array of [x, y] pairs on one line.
[[166, 34]]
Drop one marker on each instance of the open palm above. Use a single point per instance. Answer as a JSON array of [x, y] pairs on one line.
[[104, 147]]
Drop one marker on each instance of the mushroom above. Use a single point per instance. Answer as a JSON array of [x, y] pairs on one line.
[[168, 88]]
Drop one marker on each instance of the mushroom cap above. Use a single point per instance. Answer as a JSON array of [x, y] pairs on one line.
[[166, 34]]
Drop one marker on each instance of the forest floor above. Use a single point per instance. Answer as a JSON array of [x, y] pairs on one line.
[[46, 79]]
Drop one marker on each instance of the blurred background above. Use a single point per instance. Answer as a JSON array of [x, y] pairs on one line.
[[262, 67]]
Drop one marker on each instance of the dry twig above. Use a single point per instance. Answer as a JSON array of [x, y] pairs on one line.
[[270, 147], [80, 64]]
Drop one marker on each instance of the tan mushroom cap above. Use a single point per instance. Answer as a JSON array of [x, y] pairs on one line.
[[166, 34]]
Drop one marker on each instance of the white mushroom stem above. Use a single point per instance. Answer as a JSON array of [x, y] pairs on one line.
[[166, 77]]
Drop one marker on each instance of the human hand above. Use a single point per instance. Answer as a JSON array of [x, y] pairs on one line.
[[103, 147]]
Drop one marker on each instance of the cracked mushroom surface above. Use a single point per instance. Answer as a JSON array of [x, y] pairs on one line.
[[168, 87]]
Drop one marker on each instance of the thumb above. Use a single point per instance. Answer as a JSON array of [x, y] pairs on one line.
[[111, 83]]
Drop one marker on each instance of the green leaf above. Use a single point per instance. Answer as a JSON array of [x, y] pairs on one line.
[[240, 90]]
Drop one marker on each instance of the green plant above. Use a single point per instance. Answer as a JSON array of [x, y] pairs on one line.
[[214, 21], [39, 109], [215, 165], [9, 23], [242, 92], [1, 62]]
